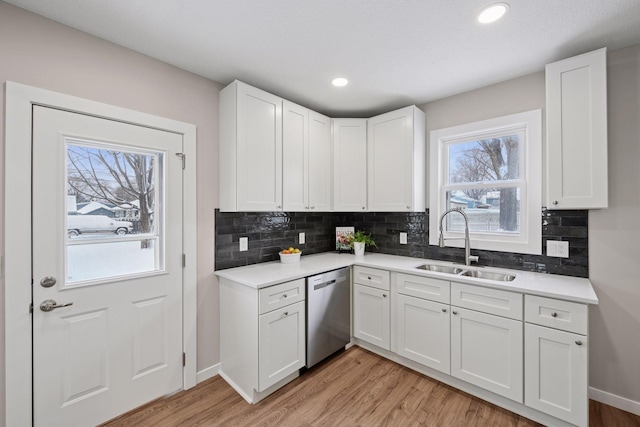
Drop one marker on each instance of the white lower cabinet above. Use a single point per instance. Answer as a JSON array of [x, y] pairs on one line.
[[371, 315], [422, 329], [262, 336], [556, 361], [281, 344], [486, 351]]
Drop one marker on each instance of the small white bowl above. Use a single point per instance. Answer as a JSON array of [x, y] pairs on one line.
[[290, 258]]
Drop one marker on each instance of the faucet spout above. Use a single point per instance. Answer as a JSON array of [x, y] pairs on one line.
[[468, 258]]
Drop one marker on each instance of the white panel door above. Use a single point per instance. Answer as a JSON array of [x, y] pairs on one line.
[[295, 157], [371, 315], [259, 155], [349, 165], [423, 332], [281, 349], [107, 240], [556, 373], [486, 350], [320, 162]]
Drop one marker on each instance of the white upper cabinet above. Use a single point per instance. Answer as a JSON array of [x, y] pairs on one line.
[[306, 159], [349, 165], [396, 161], [295, 156], [577, 132], [320, 162], [250, 149]]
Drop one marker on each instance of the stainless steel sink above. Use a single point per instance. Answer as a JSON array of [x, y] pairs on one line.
[[440, 268], [459, 271], [488, 275]]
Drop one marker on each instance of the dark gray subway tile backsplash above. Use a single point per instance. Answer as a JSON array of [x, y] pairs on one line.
[[269, 232]]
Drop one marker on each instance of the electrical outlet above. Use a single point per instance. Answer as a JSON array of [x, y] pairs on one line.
[[301, 239], [403, 238], [244, 244], [558, 248]]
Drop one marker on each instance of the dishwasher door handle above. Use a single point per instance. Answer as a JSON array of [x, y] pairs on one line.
[[323, 285]]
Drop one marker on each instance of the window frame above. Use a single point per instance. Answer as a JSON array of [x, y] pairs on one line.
[[529, 239]]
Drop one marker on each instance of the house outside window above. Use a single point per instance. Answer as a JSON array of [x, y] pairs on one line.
[[492, 170]]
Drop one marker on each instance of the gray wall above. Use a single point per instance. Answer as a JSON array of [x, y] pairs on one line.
[[41, 53], [614, 239]]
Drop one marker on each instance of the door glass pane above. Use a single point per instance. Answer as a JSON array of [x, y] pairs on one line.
[[489, 210], [486, 160], [114, 211]]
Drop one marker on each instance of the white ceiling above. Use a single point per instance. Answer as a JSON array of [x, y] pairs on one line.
[[394, 52]]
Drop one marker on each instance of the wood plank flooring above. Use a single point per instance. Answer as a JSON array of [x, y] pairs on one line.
[[355, 388]]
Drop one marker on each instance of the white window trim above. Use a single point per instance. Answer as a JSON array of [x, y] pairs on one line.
[[529, 240]]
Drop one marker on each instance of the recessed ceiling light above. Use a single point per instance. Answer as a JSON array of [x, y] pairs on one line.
[[339, 81], [492, 13]]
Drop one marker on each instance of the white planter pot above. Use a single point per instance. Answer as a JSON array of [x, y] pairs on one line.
[[358, 248]]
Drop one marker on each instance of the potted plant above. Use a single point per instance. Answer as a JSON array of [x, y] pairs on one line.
[[359, 240]]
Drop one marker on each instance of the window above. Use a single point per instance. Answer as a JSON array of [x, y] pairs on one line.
[[492, 170]]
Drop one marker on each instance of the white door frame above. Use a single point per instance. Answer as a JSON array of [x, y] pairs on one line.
[[19, 100]]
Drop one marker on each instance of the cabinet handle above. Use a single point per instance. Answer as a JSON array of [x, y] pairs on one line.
[[286, 313], [363, 208], [284, 295], [384, 295], [306, 207], [313, 207], [444, 310], [279, 207], [579, 342], [554, 314], [369, 277], [454, 312], [408, 207], [555, 202]]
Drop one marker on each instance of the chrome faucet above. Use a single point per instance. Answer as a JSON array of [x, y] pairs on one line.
[[468, 258]]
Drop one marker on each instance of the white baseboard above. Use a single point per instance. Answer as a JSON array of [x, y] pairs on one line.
[[207, 373], [614, 400]]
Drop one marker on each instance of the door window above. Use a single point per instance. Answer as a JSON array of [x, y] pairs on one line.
[[114, 221]]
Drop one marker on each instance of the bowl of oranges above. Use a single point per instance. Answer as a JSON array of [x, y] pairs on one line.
[[290, 255]]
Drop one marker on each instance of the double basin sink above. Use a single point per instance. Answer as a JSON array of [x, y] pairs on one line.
[[459, 271]]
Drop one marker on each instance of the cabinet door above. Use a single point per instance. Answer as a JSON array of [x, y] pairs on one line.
[[295, 156], [395, 158], [577, 132], [281, 349], [486, 350], [259, 150], [556, 373], [320, 170], [349, 165], [422, 332], [371, 315]]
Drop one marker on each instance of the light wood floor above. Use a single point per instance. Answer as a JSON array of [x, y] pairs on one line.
[[355, 388]]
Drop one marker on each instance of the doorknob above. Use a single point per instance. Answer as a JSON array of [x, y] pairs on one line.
[[50, 305]]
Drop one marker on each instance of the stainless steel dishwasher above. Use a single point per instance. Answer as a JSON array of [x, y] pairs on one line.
[[328, 314]]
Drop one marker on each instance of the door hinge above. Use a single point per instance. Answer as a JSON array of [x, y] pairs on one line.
[[184, 359], [31, 308], [184, 260], [183, 157]]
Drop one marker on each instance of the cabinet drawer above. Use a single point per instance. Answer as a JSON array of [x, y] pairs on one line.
[[558, 314], [281, 295], [371, 277], [423, 287], [492, 301]]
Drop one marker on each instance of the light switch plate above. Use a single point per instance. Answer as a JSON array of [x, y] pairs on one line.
[[301, 239], [558, 248], [244, 244], [403, 238]]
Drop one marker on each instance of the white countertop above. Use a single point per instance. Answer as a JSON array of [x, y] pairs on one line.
[[550, 285]]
